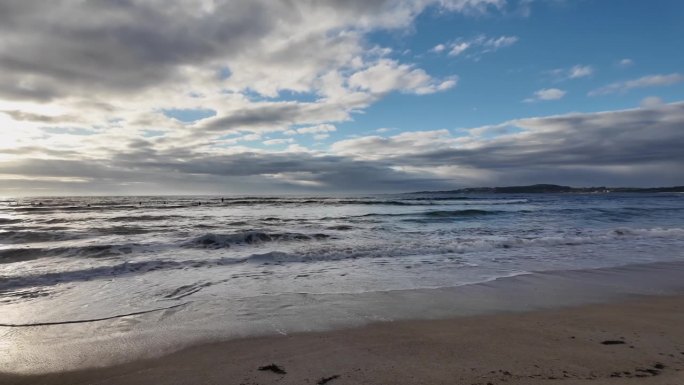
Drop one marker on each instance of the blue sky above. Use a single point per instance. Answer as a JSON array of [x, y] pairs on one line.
[[246, 96], [556, 35]]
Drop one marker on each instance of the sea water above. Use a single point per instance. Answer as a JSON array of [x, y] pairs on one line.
[[122, 270]]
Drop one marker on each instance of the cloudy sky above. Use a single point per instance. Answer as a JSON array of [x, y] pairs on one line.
[[270, 96]]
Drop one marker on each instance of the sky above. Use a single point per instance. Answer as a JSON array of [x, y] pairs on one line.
[[133, 97]]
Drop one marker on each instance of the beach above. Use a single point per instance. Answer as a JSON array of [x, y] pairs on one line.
[[637, 341], [399, 289]]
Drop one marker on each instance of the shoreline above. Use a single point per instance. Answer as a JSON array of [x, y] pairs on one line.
[[634, 341], [66, 347]]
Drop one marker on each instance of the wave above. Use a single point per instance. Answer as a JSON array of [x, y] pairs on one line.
[[9, 285], [35, 235], [375, 202], [653, 232], [398, 249], [323, 202], [19, 254], [340, 227], [216, 241], [474, 201], [433, 214], [144, 218], [465, 245], [459, 198], [82, 208], [460, 213]]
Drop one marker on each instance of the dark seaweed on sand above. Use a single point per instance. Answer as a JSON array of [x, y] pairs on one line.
[[325, 380], [273, 368]]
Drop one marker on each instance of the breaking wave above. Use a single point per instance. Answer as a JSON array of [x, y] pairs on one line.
[[456, 246], [19, 254], [217, 241]]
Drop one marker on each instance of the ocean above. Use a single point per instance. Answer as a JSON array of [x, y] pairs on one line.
[[182, 269]]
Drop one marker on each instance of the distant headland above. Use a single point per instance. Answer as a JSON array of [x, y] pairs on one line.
[[555, 189]]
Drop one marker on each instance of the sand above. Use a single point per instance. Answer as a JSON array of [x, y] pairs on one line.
[[638, 341]]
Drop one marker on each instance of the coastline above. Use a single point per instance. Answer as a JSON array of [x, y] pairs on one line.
[[634, 341], [121, 341]]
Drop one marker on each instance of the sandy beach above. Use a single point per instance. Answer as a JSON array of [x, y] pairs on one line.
[[638, 341]]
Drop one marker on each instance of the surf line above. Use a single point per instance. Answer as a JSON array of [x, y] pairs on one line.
[[90, 320]]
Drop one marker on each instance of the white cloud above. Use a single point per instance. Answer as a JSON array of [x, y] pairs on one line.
[[580, 71], [438, 48], [388, 75], [643, 82], [114, 67], [500, 42], [375, 146], [274, 142], [472, 6], [652, 102], [574, 72], [84, 86], [624, 63], [547, 94], [458, 48], [645, 148], [477, 46], [319, 129]]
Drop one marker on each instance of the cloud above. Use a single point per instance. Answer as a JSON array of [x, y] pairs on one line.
[[472, 7], [630, 147], [652, 101], [624, 63], [42, 118], [643, 82], [476, 46], [275, 142], [73, 47], [575, 72], [89, 91], [640, 146], [580, 71], [458, 48], [500, 42], [388, 75], [546, 94], [407, 142], [319, 132], [273, 116], [133, 68], [319, 129], [438, 48]]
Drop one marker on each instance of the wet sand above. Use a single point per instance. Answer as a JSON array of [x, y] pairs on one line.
[[638, 341]]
